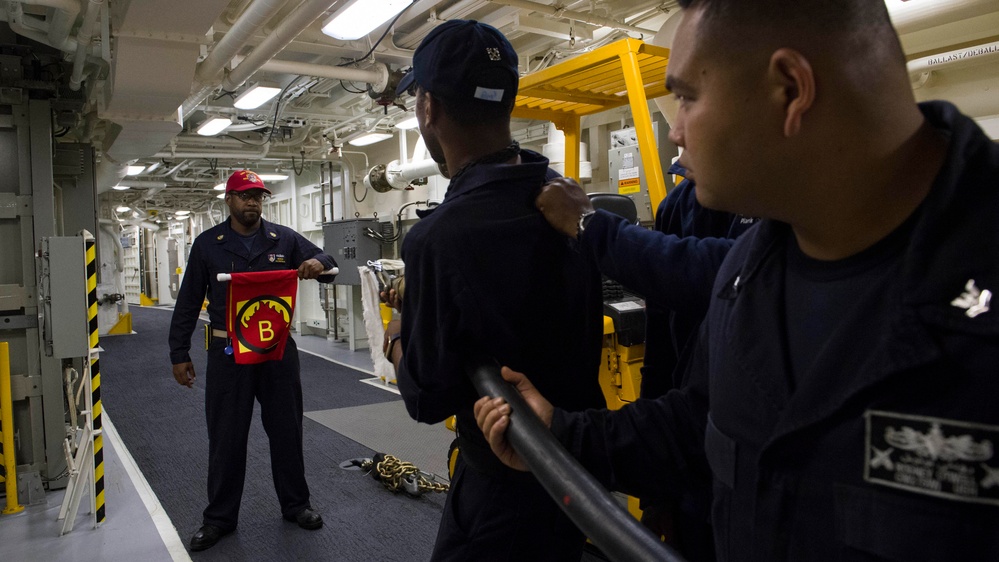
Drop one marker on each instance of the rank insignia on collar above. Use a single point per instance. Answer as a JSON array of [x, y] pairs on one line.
[[273, 235], [220, 236], [973, 300]]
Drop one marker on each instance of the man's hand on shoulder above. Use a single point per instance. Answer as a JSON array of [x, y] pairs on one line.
[[184, 373], [310, 269], [562, 202]]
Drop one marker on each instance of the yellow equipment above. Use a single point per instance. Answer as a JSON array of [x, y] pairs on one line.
[[626, 72]]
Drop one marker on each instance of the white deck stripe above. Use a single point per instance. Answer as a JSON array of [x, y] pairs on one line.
[[165, 527]]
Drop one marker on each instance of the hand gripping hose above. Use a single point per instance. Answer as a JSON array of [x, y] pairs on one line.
[[591, 507]]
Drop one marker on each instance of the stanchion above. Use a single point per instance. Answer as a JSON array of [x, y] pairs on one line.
[[7, 421]]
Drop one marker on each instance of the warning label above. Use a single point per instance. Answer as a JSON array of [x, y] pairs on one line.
[[633, 185]]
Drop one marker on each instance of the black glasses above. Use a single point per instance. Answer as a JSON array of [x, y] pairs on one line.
[[247, 195]]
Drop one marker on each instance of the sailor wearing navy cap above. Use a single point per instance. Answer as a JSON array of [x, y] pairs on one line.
[[487, 276]]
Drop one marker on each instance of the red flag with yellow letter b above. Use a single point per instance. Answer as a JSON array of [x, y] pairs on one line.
[[260, 308]]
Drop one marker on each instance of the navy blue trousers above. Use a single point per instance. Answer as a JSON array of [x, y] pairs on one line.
[[230, 391], [508, 519]]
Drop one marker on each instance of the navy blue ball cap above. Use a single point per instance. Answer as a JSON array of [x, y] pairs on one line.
[[464, 60]]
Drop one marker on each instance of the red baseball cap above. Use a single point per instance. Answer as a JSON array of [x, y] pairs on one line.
[[244, 180]]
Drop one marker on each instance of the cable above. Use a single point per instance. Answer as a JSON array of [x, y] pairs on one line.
[[387, 29], [353, 193], [277, 105], [344, 86]]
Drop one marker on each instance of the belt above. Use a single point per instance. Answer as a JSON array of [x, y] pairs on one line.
[[219, 333]]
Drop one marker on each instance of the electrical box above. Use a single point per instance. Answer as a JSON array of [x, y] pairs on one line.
[[351, 247], [67, 278], [627, 171]]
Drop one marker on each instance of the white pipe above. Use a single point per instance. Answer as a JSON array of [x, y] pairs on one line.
[[226, 277], [83, 39], [285, 32], [403, 147], [323, 71], [211, 154], [119, 258], [979, 54], [206, 75], [255, 17], [562, 13], [917, 15], [142, 183], [399, 175]]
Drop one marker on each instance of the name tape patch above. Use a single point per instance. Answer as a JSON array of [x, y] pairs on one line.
[[933, 456], [488, 94]]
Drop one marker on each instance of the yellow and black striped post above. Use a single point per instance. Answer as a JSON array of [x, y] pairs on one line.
[[95, 380]]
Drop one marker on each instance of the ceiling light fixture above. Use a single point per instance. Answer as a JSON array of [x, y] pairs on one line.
[[370, 138], [219, 187], [213, 126], [256, 95], [119, 187], [134, 169], [407, 124], [273, 177], [182, 213], [221, 196], [123, 209], [360, 17]]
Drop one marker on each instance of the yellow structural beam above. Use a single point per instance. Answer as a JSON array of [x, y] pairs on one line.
[[626, 72]]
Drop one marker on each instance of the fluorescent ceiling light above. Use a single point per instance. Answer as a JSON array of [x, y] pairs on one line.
[[362, 17], [123, 209], [370, 138], [213, 126], [120, 187], [407, 124], [135, 170], [219, 187], [256, 96], [221, 196], [182, 213], [273, 177]]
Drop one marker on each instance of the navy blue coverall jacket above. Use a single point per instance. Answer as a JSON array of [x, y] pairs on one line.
[[219, 250], [231, 389], [487, 276], [886, 450]]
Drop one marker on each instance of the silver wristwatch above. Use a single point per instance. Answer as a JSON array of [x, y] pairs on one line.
[[584, 219]]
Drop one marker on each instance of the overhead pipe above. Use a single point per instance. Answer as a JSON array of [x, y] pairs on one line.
[[83, 40], [206, 74], [284, 33], [562, 13], [264, 149], [377, 76], [909, 17], [384, 178], [960, 58], [255, 17]]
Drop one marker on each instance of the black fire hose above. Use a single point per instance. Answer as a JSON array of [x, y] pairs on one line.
[[591, 507]]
